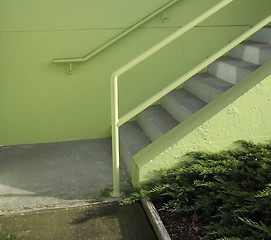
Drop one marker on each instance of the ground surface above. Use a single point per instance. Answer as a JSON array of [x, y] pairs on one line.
[[50, 175], [183, 226], [96, 222]]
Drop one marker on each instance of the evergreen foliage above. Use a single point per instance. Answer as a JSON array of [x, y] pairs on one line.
[[231, 188], [4, 236]]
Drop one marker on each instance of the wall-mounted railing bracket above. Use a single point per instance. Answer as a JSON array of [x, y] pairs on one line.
[[69, 68], [120, 36], [164, 18]]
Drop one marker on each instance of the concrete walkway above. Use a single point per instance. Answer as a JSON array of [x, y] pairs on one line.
[[95, 222], [52, 175]]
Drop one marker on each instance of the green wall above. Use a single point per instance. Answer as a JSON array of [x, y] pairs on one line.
[[40, 102]]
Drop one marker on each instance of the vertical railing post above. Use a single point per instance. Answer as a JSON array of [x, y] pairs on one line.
[[115, 121], [115, 136]]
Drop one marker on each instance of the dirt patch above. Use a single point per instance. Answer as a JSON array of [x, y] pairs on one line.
[[183, 226]]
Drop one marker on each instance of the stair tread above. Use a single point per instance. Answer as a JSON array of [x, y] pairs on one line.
[[186, 100], [238, 63], [133, 137], [158, 119], [255, 44], [213, 82]]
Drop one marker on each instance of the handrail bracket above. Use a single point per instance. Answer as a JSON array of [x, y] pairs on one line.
[[164, 18], [69, 68]]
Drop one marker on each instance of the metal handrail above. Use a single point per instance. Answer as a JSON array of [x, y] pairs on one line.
[[192, 72], [116, 38], [115, 121]]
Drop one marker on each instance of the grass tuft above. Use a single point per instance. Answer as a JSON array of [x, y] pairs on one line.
[[10, 236]]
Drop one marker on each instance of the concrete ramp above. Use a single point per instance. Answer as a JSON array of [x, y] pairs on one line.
[[53, 175]]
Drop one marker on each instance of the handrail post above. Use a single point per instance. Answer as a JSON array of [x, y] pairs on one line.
[[115, 137], [115, 121]]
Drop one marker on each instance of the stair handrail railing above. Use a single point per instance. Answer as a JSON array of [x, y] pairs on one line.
[[116, 38], [116, 122]]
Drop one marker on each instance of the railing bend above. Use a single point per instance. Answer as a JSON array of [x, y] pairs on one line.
[[117, 122], [114, 39]]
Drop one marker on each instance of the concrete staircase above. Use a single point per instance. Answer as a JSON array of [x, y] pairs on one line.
[[197, 92]]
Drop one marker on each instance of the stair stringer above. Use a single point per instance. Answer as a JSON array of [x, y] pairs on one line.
[[243, 112]]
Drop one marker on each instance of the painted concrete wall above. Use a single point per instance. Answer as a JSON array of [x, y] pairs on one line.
[[243, 111], [39, 102]]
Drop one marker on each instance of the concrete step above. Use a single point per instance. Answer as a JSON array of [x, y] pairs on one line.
[[155, 122], [230, 69], [253, 52], [263, 35], [132, 140], [181, 104], [206, 87]]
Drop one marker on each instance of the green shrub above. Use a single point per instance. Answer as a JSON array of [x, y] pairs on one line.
[[231, 188]]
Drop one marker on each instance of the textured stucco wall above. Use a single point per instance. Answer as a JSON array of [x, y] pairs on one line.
[[39, 102], [243, 112]]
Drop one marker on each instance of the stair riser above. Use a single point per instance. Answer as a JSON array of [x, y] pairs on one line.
[[155, 122], [227, 72], [147, 127], [203, 92], [175, 110], [251, 54], [264, 35], [132, 140], [125, 158]]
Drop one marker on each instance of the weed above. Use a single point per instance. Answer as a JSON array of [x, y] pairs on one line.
[[12, 236]]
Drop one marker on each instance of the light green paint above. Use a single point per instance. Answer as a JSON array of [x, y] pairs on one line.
[[116, 122], [243, 112], [41, 103], [118, 37]]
